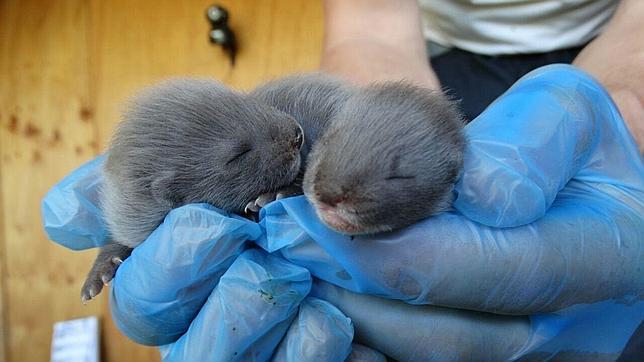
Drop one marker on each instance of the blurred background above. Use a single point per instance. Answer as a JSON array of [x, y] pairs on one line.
[[66, 67]]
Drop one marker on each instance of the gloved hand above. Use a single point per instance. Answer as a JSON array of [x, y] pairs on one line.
[[555, 129], [197, 286], [548, 221]]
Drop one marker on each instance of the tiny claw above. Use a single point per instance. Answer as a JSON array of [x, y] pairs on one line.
[[116, 260], [279, 196], [251, 206], [85, 299], [106, 279], [264, 199]]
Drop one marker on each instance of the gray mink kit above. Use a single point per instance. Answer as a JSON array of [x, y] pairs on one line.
[[388, 155], [186, 141]]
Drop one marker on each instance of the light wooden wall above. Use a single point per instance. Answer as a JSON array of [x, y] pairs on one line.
[[65, 69]]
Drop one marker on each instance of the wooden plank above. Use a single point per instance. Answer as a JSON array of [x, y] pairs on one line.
[[65, 69], [43, 137], [4, 323]]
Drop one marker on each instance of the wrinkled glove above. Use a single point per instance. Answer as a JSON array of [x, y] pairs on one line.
[[559, 136], [548, 222], [199, 289]]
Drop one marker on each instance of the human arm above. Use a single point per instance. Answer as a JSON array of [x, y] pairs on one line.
[[368, 41], [616, 59]]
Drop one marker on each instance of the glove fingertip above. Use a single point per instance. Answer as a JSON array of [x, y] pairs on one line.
[[137, 328], [480, 197]]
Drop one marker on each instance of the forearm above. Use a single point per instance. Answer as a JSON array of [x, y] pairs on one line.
[[616, 59], [375, 40]]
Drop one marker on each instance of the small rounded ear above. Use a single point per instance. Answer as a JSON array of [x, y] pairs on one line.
[[162, 188]]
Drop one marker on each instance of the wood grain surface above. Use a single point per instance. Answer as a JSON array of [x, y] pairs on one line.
[[65, 69]]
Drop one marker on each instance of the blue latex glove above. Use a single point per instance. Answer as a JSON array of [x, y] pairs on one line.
[[197, 286], [549, 221], [583, 254]]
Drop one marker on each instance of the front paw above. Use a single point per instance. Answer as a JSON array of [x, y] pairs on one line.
[[101, 274], [266, 198], [103, 270]]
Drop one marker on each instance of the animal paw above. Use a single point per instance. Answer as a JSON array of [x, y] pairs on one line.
[[103, 270], [266, 198]]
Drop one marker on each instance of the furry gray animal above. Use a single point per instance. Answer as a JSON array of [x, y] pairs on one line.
[[187, 141], [390, 158]]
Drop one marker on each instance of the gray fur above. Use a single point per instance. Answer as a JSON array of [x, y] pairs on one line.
[[180, 142], [313, 99], [390, 158]]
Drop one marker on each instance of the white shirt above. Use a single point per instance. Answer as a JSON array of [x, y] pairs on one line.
[[495, 27]]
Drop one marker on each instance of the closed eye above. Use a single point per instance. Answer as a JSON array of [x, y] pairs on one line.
[[238, 156], [400, 178]]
